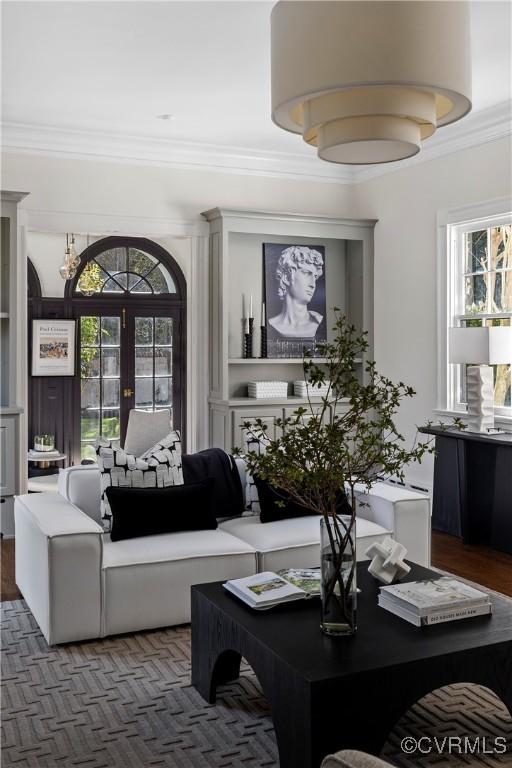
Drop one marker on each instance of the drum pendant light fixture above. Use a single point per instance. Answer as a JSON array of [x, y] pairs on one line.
[[366, 81]]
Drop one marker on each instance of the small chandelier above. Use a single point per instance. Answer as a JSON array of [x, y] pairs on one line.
[[71, 259], [366, 82]]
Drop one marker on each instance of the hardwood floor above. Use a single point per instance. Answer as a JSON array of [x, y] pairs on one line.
[[485, 566], [8, 589]]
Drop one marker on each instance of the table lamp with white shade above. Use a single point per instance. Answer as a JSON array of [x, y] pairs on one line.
[[480, 348]]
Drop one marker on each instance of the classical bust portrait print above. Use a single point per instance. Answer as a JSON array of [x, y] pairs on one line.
[[295, 292]]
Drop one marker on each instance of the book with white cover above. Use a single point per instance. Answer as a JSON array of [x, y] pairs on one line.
[[436, 617], [425, 597], [264, 590]]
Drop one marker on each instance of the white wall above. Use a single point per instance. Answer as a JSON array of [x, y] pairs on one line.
[[162, 203], [153, 200], [406, 203]]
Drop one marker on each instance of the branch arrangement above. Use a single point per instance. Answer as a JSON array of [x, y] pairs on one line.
[[340, 444]]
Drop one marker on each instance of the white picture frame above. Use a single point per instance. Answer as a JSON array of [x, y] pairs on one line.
[[53, 347]]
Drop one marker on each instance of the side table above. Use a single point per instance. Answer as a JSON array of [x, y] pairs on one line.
[[43, 474]]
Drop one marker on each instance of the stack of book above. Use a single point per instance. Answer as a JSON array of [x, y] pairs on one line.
[[434, 601], [46, 455]]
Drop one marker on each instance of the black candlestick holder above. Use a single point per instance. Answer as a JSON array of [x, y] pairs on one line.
[[263, 341], [251, 332], [247, 345]]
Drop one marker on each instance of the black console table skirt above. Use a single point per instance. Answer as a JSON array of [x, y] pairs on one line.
[[473, 487]]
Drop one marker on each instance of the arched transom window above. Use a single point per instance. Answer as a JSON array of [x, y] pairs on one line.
[[125, 270]]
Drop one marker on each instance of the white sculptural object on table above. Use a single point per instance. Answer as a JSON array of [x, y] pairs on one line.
[[388, 560]]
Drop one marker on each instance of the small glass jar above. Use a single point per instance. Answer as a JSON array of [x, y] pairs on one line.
[[44, 442]]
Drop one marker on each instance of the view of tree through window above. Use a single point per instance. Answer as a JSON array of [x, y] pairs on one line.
[[487, 293], [125, 270]]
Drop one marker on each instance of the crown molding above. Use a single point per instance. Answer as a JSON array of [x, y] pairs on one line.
[[95, 145], [477, 128], [102, 224]]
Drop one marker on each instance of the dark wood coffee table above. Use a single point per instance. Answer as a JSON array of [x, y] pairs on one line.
[[327, 694]]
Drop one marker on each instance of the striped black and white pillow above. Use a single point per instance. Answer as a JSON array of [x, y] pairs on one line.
[[254, 443], [158, 467]]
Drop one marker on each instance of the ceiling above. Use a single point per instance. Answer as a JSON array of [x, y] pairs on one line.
[[112, 67]]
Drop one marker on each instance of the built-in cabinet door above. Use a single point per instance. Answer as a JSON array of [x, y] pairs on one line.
[[267, 415], [7, 456]]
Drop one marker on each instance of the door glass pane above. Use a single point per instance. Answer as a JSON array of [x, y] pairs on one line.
[[110, 393], [90, 362], [111, 423], [163, 391], [90, 425], [143, 361], [100, 380], [163, 330], [90, 393], [144, 393], [163, 361], [110, 330], [89, 331], [143, 330], [153, 362], [110, 361]]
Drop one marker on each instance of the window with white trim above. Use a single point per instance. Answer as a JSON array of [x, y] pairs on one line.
[[480, 293]]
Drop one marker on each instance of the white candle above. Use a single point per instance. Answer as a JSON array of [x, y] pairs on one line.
[[263, 314], [250, 308]]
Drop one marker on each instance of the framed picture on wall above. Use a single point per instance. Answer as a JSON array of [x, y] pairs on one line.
[[294, 277], [53, 348]]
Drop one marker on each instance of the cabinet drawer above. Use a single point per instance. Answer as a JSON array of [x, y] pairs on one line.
[[7, 515], [7, 456]]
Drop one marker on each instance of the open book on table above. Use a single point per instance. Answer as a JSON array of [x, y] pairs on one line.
[[267, 589]]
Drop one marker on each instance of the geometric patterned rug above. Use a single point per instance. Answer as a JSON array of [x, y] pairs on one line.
[[126, 702]]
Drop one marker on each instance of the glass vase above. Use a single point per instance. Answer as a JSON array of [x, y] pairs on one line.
[[338, 572]]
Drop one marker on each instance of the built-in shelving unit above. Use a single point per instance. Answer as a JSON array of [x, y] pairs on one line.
[[13, 346], [236, 268]]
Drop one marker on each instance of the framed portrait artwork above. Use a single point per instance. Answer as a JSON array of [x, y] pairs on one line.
[[53, 348], [294, 278]]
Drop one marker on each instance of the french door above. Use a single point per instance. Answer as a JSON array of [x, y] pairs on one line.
[[130, 357]]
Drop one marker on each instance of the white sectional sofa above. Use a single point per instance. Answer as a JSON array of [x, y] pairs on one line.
[[81, 585]]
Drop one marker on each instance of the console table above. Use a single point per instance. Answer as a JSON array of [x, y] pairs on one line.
[[473, 486]]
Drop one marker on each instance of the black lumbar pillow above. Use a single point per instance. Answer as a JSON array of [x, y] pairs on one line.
[[276, 504], [150, 511]]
